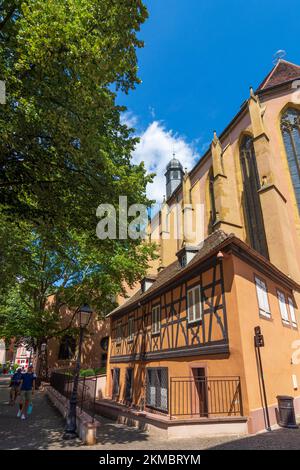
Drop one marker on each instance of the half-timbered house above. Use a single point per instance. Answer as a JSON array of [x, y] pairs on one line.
[[182, 351]]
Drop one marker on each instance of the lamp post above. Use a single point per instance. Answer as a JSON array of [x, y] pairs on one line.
[[84, 315]]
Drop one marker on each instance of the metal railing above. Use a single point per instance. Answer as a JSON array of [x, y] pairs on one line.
[[63, 382], [205, 397]]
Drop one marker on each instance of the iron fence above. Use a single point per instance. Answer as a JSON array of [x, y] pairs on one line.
[[63, 382], [205, 396]]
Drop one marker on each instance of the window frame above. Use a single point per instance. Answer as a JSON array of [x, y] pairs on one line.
[[292, 315], [156, 323], [266, 314], [287, 320], [290, 146], [117, 373], [193, 290], [67, 348], [158, 399], [119, 336], [129, 397], [130, 336]]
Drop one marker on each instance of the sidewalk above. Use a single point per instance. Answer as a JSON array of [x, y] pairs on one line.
[[42, 430], [45, 427]]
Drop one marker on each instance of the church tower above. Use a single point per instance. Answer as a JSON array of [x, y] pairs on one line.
[[174, 176]]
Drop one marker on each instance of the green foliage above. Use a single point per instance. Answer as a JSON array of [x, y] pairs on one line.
[[92, 372], [87, 372], [64, 151]]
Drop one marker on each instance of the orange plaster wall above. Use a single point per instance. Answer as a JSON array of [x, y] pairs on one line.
[[182, 367], [91, 349], [279, 339]]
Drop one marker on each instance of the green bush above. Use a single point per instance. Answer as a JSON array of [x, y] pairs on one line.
[[87, 372], [91, 372]]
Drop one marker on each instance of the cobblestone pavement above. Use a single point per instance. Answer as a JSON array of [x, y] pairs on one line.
[[44, 429]]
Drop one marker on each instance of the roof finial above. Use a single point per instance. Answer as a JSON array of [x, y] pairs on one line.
[[278, 56]]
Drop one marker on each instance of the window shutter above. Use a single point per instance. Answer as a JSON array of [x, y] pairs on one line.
[[156, 319], [194, 307], [157, 388], [116, 381], [153, 320], [292, 311], [190, 305], [283, 307], [262, 296], [198, 306]]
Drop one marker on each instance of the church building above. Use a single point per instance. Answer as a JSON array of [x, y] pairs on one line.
[[210, 338]]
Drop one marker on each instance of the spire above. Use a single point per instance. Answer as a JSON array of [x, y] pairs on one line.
[[174, 175]]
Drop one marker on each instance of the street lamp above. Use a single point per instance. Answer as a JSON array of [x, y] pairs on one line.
[[83, 315]]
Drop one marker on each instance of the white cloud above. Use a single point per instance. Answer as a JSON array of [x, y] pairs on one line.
[[155, 149], [129, 119]]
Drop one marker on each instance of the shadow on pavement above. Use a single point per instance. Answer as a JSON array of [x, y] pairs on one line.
[[279, 439], [42, 430]]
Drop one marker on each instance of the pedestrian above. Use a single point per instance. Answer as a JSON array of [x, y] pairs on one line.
[[27, 392], [15, 386]]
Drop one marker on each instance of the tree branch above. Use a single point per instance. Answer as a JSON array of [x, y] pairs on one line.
[[8, 17]]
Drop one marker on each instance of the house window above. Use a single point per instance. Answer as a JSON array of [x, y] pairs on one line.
[[194, 306], [156, 320], [290, 127], [262, 297], [183, 260], [292, 311], [104, 343], [119, 333], [251, 203], [283, 307], [157, 388], [129, 384], [116, 383], [67, 348], [130, 329]]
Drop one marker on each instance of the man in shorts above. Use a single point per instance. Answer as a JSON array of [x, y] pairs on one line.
[[15, 385], [27, 391]]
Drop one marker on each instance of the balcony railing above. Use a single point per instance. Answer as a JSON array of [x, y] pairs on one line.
[[205, 397]]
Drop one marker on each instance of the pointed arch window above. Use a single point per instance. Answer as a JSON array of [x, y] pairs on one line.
[[251, 202], [290, 127]]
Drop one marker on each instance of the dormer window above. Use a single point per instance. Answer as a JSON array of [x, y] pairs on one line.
[[183, 260], [186, 254], [146, 283]]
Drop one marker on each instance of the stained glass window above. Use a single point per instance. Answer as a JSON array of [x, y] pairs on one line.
[[290, 126]]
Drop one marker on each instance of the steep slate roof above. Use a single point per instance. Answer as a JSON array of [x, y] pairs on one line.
[[164, 276], [282, 72]]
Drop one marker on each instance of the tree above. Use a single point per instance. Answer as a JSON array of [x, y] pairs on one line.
[[47, 277], [63, 149]]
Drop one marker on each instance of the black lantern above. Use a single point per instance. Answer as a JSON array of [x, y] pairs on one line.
[[83, 315]]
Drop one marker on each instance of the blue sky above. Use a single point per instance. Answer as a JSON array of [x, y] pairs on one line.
[[199, 59]]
